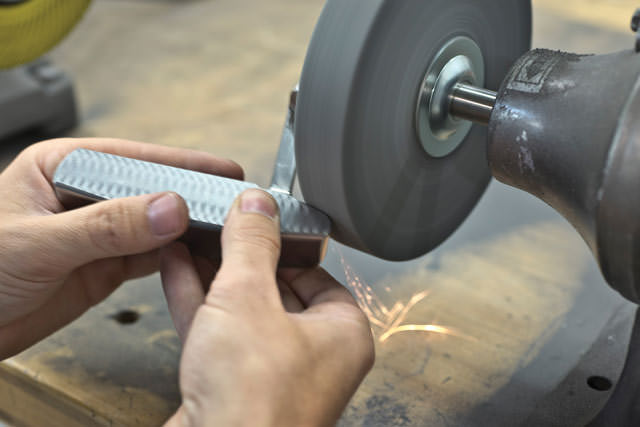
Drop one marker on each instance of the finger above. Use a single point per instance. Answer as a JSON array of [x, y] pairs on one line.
[[290, 301], [109, 273], [32, 172], [108, 229], [177, 418], [334, 317], [206, 270], [105, 276], [49, 154], [182, 286], [316, 287], [70, 301], [250, 249]]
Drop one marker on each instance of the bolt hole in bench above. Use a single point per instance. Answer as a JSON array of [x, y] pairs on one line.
[[126, 317]]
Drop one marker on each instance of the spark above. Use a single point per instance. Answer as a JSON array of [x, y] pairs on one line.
[[421, 328], [389, 321]]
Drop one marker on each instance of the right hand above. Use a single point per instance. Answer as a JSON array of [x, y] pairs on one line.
[[263, 347]]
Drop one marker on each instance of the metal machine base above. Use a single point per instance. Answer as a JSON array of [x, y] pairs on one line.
[[36, 97]]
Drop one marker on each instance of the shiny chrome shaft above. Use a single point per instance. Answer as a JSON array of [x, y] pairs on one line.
[[472, 103]]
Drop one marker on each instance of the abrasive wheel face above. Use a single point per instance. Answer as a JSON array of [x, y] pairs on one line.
[[358, 154], [29, 28]]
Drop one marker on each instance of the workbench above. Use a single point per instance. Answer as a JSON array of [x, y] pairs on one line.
[[516, 288]]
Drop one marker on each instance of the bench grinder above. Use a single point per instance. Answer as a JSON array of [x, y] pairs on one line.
[[382, 134]]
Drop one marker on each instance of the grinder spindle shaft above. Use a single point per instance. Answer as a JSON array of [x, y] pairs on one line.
[[472, 103]]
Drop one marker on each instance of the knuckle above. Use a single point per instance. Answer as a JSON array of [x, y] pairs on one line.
[[37, 147], [34, 150], [46, 154], [228, 279], [25, 240], [225, 279], [362, 350], [31, 152], [369, 354], [257, 236], [109, 228], [232, 283], [360, 337]]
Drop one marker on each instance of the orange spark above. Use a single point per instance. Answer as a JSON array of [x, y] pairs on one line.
[[388, 320], [421, 328]]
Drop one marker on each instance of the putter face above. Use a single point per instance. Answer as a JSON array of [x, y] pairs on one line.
[[86, 176]]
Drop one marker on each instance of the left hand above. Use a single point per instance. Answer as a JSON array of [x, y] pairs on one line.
[[55, 265]]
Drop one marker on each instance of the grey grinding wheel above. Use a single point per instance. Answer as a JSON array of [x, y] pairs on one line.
[[358, 154]]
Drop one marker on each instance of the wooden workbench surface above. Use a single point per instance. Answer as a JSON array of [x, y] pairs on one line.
[[215, 75]]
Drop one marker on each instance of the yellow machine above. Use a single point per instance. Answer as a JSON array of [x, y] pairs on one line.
[[30, 28], [34, 94]]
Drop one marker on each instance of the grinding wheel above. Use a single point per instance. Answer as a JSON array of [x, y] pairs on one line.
[[360, 158], [29, 28]]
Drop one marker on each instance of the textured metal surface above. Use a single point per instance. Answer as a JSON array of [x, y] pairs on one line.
[[98, 176], [358, 155]]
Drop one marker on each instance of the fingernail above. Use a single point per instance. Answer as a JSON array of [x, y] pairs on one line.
[[257, 201], [164, 215]]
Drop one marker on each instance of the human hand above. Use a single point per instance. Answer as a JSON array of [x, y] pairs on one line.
[[263, 347], [54, 265]]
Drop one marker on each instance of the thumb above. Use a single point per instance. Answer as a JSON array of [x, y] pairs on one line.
[[250, 248], [113, 228]]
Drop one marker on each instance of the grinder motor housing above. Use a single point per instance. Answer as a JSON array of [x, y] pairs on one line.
[[564, 128]]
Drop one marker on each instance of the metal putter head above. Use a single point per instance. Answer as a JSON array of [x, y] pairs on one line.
[[88, 176]]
